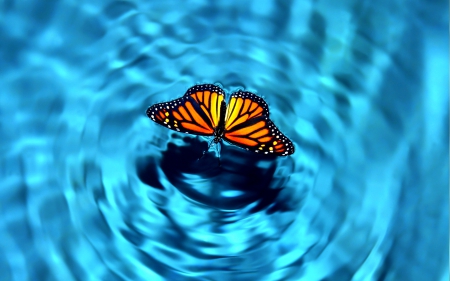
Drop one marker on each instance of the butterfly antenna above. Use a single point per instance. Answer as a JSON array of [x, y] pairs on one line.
[[219, 146], [209, 145]]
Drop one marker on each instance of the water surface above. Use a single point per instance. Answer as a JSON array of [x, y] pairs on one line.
[[93, 190]]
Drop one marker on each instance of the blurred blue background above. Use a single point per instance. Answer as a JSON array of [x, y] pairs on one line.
[[91, 189]]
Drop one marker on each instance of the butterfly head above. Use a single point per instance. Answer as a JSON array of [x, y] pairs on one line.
[[217, 135]]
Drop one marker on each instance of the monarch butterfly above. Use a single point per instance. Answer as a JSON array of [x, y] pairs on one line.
[[244, 122]]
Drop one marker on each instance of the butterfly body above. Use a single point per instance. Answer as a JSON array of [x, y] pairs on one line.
[[220, 129], [244, 122]]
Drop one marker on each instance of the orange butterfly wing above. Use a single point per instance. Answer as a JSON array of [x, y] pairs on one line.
[[197, 112], [247, 125]]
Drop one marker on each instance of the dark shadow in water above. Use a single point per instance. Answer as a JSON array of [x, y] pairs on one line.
[[242, 178]]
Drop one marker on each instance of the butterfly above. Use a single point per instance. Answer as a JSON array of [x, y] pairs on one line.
[[244, 122]]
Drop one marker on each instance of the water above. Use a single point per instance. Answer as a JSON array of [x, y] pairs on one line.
[[93, 190]]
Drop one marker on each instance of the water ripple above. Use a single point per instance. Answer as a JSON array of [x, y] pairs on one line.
[[93, 190]]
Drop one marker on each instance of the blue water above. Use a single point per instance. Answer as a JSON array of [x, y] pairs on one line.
[[91, 189]]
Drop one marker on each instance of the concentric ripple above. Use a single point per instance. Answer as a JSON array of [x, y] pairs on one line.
[[93, 190]]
